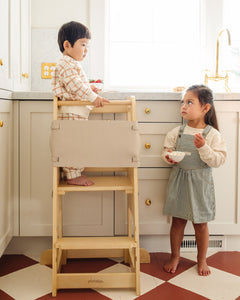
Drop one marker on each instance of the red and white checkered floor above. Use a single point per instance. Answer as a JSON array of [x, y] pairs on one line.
[[23, 278]]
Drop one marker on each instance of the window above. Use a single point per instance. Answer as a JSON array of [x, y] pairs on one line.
[[231, 19], [231, 55], [153, 43], [159, 44]]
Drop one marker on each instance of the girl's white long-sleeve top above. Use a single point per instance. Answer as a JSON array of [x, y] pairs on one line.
[[213, 153]]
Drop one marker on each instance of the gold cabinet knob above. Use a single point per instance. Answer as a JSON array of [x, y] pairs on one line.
[[147, 110], [1, 62], [148, 202], [25, 75], [1, 123], [148, 145]]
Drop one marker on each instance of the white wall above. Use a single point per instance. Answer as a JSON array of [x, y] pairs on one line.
[[47, 16], [53, 13]]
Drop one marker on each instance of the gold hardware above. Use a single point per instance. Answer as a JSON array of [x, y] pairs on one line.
[[147, 145], [217, 76], [179, 89], [25, 75], [148, 202], [147, 110], [1, 62], [1, 123]]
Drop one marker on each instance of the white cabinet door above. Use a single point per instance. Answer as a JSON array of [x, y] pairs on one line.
[[20, 12], [5, 48], [35, 168], [227, 177], [152, 192], [6, 174], [85, 214]]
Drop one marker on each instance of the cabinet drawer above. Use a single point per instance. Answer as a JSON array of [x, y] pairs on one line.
[[152, 138], [158, 111], [152, 194]]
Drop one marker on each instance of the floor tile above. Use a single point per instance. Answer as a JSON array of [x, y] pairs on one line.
[[219, 285], [155, 268], [87, 265], [84, 294], [4, 296], [168, 291], [193, 255], [29, 283], [147, 283], [12, 263], [23, 278], [226, 261]]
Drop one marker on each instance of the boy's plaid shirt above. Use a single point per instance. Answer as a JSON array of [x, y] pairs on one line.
[[69, 81]]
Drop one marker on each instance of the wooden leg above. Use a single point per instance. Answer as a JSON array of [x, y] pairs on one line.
[[137, 270], [55, 232], [54, 272], [136, 227]]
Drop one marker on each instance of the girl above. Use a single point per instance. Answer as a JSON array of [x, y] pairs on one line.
[[190, 188]]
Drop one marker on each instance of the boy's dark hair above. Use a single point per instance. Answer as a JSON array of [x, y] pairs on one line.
[[205, 95], [71, 32]]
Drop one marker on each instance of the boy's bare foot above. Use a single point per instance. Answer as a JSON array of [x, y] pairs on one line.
[[82, 180], [172, 265], [203, 269]]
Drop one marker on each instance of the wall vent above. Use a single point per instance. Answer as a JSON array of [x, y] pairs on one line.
[[215, 243]]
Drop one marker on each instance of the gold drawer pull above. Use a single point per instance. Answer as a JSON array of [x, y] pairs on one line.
[[1, 123], [148, 202], [147, 110], [25, 75], [148, 145], [1, 62]]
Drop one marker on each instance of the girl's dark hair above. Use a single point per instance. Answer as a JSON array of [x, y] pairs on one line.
[[71, 32], [205, 95]]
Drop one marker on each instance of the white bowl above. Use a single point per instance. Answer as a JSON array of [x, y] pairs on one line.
[[177, 156]]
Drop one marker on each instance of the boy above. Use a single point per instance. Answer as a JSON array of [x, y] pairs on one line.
[[70, 83]]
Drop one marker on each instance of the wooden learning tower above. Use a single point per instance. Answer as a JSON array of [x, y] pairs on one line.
[[117, 142]]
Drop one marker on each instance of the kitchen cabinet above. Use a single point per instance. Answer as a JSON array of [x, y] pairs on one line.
[[156, 118], [92, 215], [15, 45], [5, 49], [6, 174], [85, 214]]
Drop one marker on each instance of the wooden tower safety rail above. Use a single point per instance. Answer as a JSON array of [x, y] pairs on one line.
[[115, 246]]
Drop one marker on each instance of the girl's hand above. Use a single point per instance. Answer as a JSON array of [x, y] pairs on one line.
[[199, 140], [169, 159]]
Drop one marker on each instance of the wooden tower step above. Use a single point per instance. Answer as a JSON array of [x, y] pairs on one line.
[[101, 183], [95, 243]]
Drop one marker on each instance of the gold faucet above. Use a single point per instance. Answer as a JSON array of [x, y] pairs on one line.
[[216, 76]]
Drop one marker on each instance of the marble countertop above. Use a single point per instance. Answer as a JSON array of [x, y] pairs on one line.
[[114, 95]]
